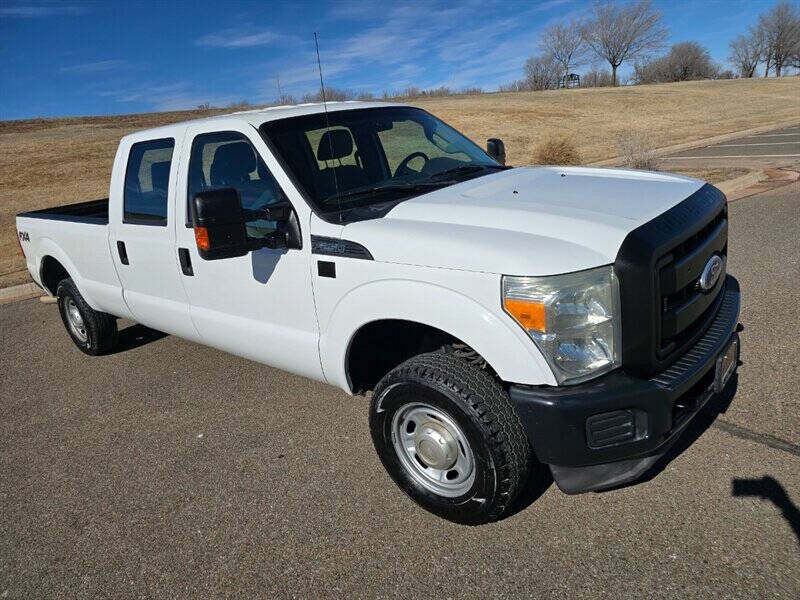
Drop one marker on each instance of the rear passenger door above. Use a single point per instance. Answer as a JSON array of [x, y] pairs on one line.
[[142, 236]]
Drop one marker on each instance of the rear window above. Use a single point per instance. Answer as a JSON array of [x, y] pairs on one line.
[[147, 182]]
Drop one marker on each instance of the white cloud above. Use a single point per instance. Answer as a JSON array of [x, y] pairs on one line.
[[95, 67], [242, 38], [413, 44], [172, 96]]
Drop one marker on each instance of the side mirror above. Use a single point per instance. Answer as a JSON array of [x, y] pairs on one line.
[[496, 149], [219, 224]]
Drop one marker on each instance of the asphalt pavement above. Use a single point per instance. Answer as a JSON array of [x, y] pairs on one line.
[[170, 470], [777, 148]]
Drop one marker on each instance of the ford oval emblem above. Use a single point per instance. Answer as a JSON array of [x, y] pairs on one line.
[[711, 272]]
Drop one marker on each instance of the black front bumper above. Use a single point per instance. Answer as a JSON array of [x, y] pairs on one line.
[[562, 422]]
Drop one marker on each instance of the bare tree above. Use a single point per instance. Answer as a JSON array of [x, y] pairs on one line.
[[595, 78], [794, 59], [564, 42], [781, 30], [617, 34], [541, 72], [688, 61], [746, 52], [767, 60]]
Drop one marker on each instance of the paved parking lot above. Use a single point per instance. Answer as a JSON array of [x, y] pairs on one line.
[[170, 469], [780, 147]]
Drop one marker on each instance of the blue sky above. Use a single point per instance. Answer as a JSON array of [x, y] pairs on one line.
[[91, 58]]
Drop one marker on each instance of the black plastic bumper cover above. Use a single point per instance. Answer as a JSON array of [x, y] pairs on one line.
[[555, 417]]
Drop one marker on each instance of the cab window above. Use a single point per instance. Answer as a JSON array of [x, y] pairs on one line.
[[228, 160], [147, 182]]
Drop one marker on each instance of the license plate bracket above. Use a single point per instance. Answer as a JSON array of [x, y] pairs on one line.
[[726, 364]]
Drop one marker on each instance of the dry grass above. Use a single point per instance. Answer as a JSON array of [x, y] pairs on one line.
[[713, 175], [49, 162], [556, 149], [637, 150]]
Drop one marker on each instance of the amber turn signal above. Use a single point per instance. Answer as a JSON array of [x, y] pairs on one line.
[[531, 315], [201, 237]]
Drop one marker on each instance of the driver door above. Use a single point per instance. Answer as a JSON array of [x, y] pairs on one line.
[[260, 305]]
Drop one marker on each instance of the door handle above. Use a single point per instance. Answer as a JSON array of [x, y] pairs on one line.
[[123, 253], [186, 261]]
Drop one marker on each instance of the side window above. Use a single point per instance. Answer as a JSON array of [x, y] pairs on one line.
[[228, 160], [147, 182]]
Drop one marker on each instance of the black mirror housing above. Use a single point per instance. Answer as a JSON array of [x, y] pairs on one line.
[[219, 224], [496, 149]]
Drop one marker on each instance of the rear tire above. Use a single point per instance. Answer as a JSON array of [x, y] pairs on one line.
[[448, 435], [93, 332]]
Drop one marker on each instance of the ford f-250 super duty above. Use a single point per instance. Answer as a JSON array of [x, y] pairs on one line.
[[502, 317]]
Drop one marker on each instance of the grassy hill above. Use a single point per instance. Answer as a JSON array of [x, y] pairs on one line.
[[44, 162]]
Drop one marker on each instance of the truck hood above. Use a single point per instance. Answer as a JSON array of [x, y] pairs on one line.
[[523, 221]]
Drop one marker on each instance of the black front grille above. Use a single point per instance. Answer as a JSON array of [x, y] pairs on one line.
[[659, 264], [685, 309]]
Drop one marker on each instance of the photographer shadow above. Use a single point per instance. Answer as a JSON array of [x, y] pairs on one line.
[[768, 488]]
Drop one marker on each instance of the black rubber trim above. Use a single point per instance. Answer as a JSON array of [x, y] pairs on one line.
[[131, 219], [93, 212], [329, 246], [555, 417]]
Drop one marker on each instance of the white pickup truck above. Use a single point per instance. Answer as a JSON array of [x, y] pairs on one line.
[[502, 317]]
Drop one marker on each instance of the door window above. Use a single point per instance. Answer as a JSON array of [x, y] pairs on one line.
[[228, 160], [147, 182]]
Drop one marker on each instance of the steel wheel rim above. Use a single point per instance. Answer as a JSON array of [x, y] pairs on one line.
[[433, 449], [75, 320]]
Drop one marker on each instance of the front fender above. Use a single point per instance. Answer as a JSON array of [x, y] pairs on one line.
[[489, 332]]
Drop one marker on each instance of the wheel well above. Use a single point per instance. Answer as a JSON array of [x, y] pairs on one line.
[[52, 272], [380, 346]]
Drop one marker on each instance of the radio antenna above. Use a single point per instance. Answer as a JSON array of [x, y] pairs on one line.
[[328, 128]]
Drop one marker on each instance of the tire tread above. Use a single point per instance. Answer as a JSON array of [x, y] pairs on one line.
[[491, 408]]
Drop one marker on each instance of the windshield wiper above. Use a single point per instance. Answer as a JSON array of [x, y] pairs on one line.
[[463, 169], [377, 189]]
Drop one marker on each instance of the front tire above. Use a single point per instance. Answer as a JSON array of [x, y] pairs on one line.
[[93, 332], [448, 435]]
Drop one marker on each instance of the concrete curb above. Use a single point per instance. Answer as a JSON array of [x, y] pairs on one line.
[[769, 179], [19, 292], [737, 183], [660, 152]]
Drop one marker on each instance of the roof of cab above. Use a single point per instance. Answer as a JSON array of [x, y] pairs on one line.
[[258, 116]]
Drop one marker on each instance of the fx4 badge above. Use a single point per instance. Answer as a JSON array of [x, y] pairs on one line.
[[24, 237]]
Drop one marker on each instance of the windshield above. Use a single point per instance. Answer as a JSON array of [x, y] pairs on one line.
[[373, 157]]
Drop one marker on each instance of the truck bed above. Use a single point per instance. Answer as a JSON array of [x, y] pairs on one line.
[[94, 212]]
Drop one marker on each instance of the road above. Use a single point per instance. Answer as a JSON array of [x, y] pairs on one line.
[[778, 148], [171, 470]]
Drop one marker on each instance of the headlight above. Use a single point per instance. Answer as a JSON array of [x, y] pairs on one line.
[[574, 319]]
